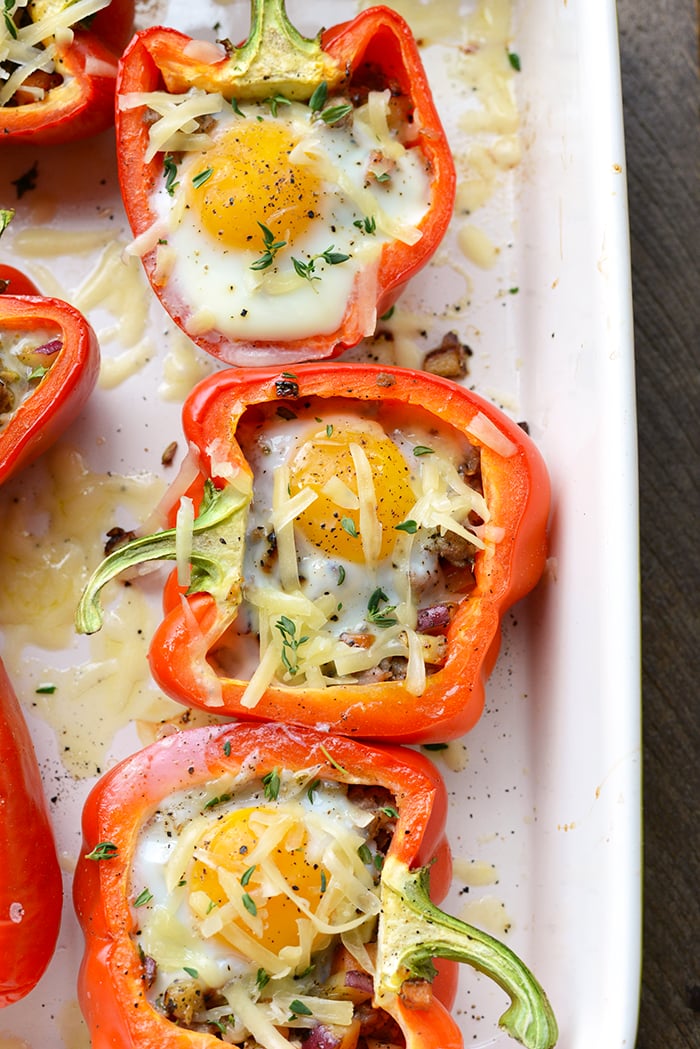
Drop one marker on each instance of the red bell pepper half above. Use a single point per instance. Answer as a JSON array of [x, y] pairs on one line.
[[273, 68], [53, 388], [69, 93], [31, 888], [198, 796], [188, 653]]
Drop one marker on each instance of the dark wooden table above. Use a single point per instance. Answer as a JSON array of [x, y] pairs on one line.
[[659, 48]]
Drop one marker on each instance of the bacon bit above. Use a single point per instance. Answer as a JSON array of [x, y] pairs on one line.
[[359, 981], [416, 993], [117, 537], [35, 87], [182, 999], [380, 167], [150, 970], [449, 359], [332, 1036], [452, 548], [435, 619], [49, 348], [357, 640]]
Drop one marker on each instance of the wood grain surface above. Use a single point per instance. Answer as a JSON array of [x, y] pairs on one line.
[[659, 49]]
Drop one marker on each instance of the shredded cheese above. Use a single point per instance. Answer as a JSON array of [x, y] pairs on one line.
[[34, 46], [487, 434], [370, 525], [184, 535], [178, 116]]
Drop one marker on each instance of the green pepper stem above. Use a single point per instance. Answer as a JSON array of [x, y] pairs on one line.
[[276, 59], [216, 556], [413, 931]]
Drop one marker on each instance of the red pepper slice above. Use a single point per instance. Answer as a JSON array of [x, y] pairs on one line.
[[81, 103], [516, 490], [62, 392], [374, 50], [212, 764], [31, 887]]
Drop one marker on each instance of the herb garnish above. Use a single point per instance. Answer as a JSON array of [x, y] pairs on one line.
[[290, 643], [307, 270], [9, 21], [350, 527], [271, 247], [331, 761], [275, 101], [380, 616], [368, 224], [170, 172], [104, 851], [407, 526], [247, 875], [203, 176], [271, 783], [298, 1008], [218, 800], [262, 978], [145, 896], [335, 113], [364, 853], [318, 98]]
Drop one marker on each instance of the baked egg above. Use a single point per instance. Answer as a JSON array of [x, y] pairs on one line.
[[361, 540], [248, 896], [270, 217]]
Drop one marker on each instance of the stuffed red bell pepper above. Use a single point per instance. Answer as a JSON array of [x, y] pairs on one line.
[[269, 885], [49, 363], [284, 191], [355, 534], [31, 888], [58, 68]]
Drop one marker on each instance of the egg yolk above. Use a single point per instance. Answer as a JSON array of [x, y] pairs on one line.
[[334, 528], [247, 178], [230, 849]]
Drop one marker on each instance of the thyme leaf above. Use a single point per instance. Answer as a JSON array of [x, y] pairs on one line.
[[271, 247]]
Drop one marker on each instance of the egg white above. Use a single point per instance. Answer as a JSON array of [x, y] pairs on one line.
[[225, 294]]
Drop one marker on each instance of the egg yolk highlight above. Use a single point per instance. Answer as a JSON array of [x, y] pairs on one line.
[[252, 180], [333, 528], [230, 849]]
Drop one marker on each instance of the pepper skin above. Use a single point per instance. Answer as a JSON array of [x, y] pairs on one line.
[[516, 490], [412, 930], [82, 104], [61, 394], [14, 282], [31, 888], [375, 48]]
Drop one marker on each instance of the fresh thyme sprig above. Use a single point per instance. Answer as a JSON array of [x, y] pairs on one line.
[[170, 171], [290, 643], [380, 616], [307, 270], [271, 247]]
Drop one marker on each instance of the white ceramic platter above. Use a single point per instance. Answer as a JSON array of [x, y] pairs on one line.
[[545, 820]]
